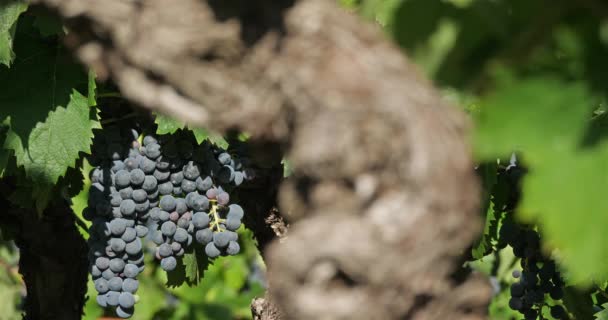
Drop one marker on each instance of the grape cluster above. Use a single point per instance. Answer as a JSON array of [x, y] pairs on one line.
[[538, 278], [170, 185], [121, 194], [193, 206]]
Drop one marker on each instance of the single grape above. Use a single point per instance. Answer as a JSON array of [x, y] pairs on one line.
[[127, 207], [558, 312], [150, 184], [204, 236], [137, 177], [102, 263], [515, 303], [221, 239], [176, 246], [235, 212], [124, 313], [117, 165], [212, 193], [131, 271], [161, 175], [102, 300], [115, 199], [168, 263], [165, 188], [153, 151], [239, 177], [142, 207], [165, 250], [233, 224], [180, 206], [168, 228], [157, 238], [115, 284], [174, 216], [168, 203], [223, 198], [163, 216], [199, 203], [233, 248], [203, 184], [130, 285], [112, 298], [126, 193], [140, 195], [108, 274], [147, 165], [118, 226], [95, 272], [101, 285], [126, 300], [181, 235], [129, 235], [141, 231], [117, 265], [177, 178], [183, 223], [516, 274], [211, 250], [133, 247], [191, 171], [122, 179], [517, 290], [188, 185], [117, 244], [224, 158], [148, 140]]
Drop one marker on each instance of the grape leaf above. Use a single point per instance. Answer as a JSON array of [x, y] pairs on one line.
[[602, 315], [50, 121], [548, 120], [539, 115], [559, 199], [196, 263], [168, 125], [9, 12]]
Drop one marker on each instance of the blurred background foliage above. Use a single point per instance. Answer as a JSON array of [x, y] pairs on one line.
[[532, 74]]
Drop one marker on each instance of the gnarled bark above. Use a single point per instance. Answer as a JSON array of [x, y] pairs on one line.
[[384, 197]]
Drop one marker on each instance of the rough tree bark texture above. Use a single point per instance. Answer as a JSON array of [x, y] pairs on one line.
[[53, 259], [384, 197]]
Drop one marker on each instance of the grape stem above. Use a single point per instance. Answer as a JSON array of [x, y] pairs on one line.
[[216, 218]]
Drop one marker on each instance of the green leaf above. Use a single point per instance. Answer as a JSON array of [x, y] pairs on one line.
[[538, 114], [50, 120], [195, 265], [168, 125], [602, 315], [9, 12], [567, 196]]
